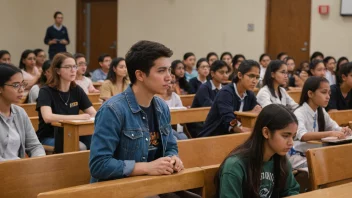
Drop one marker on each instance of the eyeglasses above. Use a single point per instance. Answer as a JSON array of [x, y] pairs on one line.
[[223, 72], [17, 86], [253, 76], [71, 67]]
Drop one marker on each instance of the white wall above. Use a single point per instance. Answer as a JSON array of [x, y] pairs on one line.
[[24, 22], [199, 26], [331, 34]]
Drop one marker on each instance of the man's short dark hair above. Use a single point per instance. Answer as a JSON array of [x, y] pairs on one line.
[[78, 55], [102, 57], [57, 13], [142, 55]]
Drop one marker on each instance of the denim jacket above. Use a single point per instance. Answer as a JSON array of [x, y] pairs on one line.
[[121, 136]]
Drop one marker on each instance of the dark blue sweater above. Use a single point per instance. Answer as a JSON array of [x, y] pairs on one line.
[[222, 111], [194, 84], [52, 33], [204, 96], [337, 100]]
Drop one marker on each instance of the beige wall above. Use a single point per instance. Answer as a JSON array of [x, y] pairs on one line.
[[199, 26], [331, 34], [24, 23]]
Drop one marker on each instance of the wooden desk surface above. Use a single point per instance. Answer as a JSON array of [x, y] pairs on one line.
[[340, 191], [247, 114]]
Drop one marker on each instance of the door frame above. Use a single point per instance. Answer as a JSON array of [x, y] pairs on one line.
[[267, 26], [81, 25]]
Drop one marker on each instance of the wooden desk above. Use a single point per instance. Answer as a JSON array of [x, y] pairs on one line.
[[350, 124], [97, 85], [72, 131], [94, 97], [189, 115], [247, 118], [187, 100], [340, 191], [342, 117], [139, 186], [30, 109], [295, 95]]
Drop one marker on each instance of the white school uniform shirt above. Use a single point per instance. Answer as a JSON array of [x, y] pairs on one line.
[[330, 77], [306, 118], [264, 98]]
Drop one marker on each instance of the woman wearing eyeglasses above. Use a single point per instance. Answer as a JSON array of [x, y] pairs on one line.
[[236, 96], [62, 99], [117, 79], [17, 136], [276, 76]]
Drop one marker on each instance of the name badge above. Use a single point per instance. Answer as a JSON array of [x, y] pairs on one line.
[[73, 104]]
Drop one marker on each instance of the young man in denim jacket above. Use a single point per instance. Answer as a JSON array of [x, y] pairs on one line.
[[133, 135]]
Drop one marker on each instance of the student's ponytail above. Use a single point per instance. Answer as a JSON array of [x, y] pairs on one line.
[[321, 119]]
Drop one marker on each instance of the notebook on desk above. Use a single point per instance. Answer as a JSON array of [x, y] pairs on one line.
[[335, 140]]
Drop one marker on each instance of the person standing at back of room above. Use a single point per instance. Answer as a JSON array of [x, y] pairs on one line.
[[56, 36]]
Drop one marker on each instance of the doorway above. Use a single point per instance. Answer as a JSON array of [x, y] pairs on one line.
[[288, 28], [96, 29]]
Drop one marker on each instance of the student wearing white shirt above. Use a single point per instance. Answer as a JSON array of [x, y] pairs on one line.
[[330, 64], [264, 61], [276, 76], [314, 123]]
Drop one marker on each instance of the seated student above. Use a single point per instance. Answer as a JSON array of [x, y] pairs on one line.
[[273, 92], [264, 61], [40, 58], [314, 123], [330, 64], [317, 56], [236, 61], [211, 57], [5, 57], [207, 92], [259, 167], [317, 68], [182, 85], [342, 60], [84, 82], [34, 92], [61, 99], [31, 74], [99, 75], [227, 57], [189, 59], [203, 72], [173, 101], [282, 56], [117, 80], [237, 96], [120, 146], [341, 93], [291, 66], [300, 74], [17, 136]]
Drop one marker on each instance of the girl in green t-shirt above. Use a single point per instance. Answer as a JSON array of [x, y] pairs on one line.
[[258, 167]]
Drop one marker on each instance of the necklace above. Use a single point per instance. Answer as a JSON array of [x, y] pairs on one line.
[[67, 98]]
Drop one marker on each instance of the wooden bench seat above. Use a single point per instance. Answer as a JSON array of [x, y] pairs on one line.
[[330, 166]]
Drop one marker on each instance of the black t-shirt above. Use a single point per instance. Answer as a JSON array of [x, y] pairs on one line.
[[64, 103], [155, 147]]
